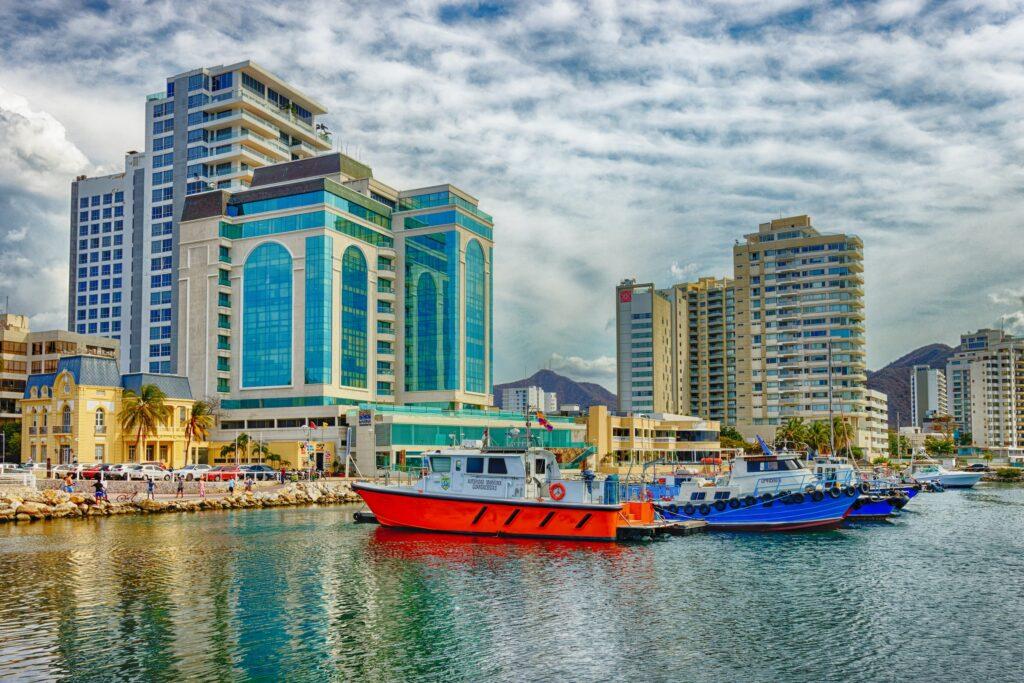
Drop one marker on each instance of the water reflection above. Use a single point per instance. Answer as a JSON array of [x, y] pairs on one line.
[[307, 595]]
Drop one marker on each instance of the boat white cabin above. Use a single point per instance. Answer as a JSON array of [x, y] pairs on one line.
[[751, 475]]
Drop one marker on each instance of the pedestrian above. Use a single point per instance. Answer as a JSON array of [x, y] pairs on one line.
[[180, 493], [283, 473], [231, 487], [150, 488], [248, 484], [202, 488], [69, 484], [100, 487]]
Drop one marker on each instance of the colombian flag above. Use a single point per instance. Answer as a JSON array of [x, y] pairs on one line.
[[543, 422]]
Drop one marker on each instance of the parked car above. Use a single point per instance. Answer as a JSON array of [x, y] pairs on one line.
[[118, 471], [978, 467], [223, 473], [259, 472], [144, 472], [94, 471], [156, 463], [73, 470], [192, 472], [36, 468]]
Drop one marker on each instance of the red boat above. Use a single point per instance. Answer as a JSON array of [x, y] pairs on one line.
[[502, 493]]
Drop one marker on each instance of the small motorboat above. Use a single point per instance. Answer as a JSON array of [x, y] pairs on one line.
[[503, 492], [947, 479], [760, 492], [879, 498]]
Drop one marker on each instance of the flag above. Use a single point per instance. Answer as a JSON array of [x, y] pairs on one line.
[[543, 421], [312, 425], [324, 426], [764, 446]]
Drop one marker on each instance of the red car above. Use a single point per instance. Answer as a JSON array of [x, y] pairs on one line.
[[94, 471], [223, 473]]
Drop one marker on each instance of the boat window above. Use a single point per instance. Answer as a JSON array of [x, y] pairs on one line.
[[697, 495], [539, 466], [722, 495], [789, 465], [496, 466], [474, 465], [458, 464], [440, 464]]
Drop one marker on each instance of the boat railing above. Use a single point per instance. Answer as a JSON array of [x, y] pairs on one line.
[[776, 485]]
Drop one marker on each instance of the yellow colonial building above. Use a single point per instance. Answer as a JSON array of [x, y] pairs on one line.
[[72, 415], [638, 438]]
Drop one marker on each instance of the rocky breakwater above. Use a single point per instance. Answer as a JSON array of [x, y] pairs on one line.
[[26, 505]]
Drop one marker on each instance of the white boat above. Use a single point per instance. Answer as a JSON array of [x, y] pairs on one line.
[[950, 479]]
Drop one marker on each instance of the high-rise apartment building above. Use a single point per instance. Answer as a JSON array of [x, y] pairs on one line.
[[24, 352], [320, 286], [958, 371], [799, 302], [105, 227], [676, 348], [645, 342], [928, 394], [208, 128], [522, 399], [986, 389]]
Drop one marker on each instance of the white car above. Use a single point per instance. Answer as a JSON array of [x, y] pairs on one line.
[[192, 472], [144, 472], [118, 471], [73, 470]]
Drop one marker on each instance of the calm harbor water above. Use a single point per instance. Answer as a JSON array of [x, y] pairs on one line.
[[304, 594]]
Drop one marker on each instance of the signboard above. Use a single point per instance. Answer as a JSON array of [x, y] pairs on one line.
[[625, 296], [365, 418]]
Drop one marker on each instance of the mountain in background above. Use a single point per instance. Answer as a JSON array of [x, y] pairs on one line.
[[585, 394], [894, 379]]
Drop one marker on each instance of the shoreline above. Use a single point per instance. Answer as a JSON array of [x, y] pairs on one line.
[[26, 505]]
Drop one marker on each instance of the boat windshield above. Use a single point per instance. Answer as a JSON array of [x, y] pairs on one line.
[[771, 465], [440, 463]]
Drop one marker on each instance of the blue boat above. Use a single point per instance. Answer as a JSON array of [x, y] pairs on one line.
[[768, 512], [876, 507]]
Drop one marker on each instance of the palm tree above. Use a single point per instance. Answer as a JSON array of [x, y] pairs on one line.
[[143, 413], [843, 433], [198, 425], [818, 436], [247, 445], [793, 432]]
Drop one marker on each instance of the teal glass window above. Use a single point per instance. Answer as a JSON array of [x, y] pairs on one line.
[[432, 312], [305, 221], [475, 321], [267, 317], [448, 218], [355, 205], [490, 322], [353, 318], [423, 201], [319, 295]]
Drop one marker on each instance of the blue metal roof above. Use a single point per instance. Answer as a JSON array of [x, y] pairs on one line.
[[95, 371], [175, 386]]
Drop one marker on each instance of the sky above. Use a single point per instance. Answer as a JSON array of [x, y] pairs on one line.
[[609, 140]]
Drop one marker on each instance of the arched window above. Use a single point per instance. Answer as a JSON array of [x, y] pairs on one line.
[[428, 334], [33, 392], [65, 419], [267, 317], [353, 318], [475, 318], [101, 421], [46, 417]]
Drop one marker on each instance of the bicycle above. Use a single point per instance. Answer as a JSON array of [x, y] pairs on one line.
[[127, 497]]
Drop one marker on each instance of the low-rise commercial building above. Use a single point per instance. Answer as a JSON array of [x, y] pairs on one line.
[[631, 438], [24, 352]]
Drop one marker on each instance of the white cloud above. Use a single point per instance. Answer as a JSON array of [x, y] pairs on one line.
[[608, 140], [600, 370]]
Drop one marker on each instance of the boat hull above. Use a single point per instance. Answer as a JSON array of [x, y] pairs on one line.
[[953, 480], [872, 508], [789, 513], [406, 508]]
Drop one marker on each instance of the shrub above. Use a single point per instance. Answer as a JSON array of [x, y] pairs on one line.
[[1008, 473]]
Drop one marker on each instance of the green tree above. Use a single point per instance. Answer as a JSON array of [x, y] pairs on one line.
[[143, 413], [842, 432], [12, 442], [937, 446], [245, 445], [965, 439], [730, 432], [898, 445], [198, 425], [818, 436], [792, 433]]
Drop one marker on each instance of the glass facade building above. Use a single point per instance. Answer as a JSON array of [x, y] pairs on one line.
[[267, 317]]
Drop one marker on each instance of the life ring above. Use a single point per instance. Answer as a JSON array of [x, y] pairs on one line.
[[719, 505], [850, 491], [688, 510], [704, 509], [557, 491], [865, 487], [749, 500], [835, 492], [817, 496], [734, 503]]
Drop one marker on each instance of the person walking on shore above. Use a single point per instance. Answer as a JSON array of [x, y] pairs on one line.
[[202, 488], [231, 487], [150, 489], [180, 493], [248, 485], [69, 484]]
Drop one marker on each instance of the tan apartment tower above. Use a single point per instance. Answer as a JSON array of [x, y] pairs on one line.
[[799, 296]]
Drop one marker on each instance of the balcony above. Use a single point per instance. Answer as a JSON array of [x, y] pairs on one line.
[[62, 429], [303, 150], [101, 429]]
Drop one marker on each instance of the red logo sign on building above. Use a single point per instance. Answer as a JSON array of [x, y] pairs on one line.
[[625, 296]]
